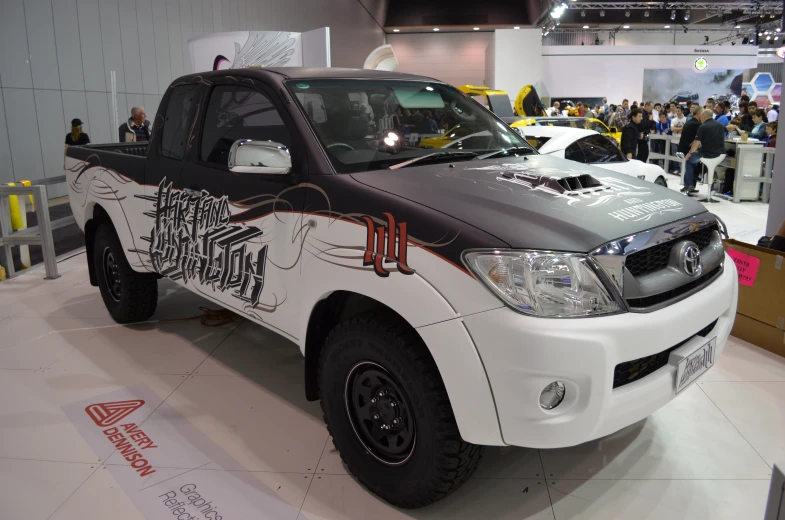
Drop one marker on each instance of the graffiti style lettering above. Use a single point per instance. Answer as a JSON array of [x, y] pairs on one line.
[[379, 237], [193, 239]]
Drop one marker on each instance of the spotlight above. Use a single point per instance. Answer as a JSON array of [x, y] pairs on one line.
[[583, 13], [646, 13], [760, 34], [436, 29], [673, 14], [396, 30], [585, 26], [737, 27], [667, 26], [626, 27], [517, 27], [602, 13], [687, 14], [768, 37], [627, 13], [476, 29], [778, 29], [546, 33]]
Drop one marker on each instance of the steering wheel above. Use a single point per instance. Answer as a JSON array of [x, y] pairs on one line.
[[344, 145], [460, 114]]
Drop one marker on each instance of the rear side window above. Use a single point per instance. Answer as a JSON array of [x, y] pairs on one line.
[[177, 122], [600, 149], [574, 153], [235, 113]]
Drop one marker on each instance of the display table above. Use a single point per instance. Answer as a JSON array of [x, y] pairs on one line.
[[753, 163]]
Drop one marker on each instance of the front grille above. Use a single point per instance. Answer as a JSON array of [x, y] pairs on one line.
[[656, 299], [631, 371], [657, 258]]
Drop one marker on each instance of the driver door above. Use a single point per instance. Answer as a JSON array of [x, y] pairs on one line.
[[242, 227]]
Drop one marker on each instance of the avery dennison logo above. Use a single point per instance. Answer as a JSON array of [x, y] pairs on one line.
[[107, 414]]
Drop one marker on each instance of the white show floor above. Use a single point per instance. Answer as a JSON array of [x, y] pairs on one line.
[[707, 455]]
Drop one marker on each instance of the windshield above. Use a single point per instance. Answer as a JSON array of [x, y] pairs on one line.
[[369, 125]]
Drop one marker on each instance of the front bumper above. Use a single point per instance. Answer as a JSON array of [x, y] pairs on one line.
[[523, 354]]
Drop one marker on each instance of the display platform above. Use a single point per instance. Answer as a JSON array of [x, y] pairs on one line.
[[224, 407]]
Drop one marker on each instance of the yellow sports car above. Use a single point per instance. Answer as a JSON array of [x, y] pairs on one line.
[[588, 123]]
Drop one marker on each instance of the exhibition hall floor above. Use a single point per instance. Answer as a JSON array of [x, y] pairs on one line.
[[225, 407]]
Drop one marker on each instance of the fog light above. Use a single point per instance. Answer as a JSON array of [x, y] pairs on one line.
[[552, 396]]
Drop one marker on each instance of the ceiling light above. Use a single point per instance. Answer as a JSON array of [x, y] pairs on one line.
[[627, 13], [737, 27], [768, 37], [771, 16], [476, 28], [396, 30], [585, 26], [558, 10], [602, 13], [516, 27], [778, 29], [546, 33], [435, 28], [667, 26], [760, 34], [583, 13], [626, 27], [646, 13], [673, 14], [687, 14]]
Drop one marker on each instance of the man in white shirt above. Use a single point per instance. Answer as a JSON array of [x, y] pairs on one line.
[[774, 112], [678, 122], [555, 110]]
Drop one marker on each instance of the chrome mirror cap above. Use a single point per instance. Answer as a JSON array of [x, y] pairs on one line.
[[268, 157]]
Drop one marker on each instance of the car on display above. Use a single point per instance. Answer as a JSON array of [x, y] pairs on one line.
[[589, 147], [588, 123], [480, 294], [684, 98]]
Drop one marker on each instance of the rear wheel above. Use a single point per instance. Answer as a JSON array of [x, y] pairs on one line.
[[661, 182], [129, 296], [388, 412]]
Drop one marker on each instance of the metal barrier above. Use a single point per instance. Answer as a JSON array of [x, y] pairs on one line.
[[36, 235], [760, 162], [671, 141]]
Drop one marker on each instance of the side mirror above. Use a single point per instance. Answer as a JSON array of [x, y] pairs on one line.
[[248, 156], [613, 130]]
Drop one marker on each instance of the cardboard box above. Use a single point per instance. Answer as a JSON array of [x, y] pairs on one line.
[[760, 334], [761, 282]]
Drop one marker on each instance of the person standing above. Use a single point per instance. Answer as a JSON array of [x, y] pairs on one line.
[[774, 112], [555, 110], [678, 122], [76, 137], [709, 143], [771, 131], [137, 129], [688, 133], [630, 134], [645, 127], [759, 130], [621, 119], [663, 128]]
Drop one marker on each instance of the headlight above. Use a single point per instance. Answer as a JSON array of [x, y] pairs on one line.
[[543, 284]]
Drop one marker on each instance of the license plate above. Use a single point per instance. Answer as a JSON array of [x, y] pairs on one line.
[[695, 364]]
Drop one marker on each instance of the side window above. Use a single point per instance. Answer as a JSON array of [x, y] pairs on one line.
[[235, 113], [599, 149], [574, 153], [177, 122]]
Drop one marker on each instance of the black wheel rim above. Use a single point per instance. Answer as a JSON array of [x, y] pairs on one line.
[[112, 275], [380, 413]]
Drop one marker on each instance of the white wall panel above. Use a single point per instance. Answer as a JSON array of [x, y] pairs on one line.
[[69, 52], [146, 37], [207, 13], [151, 102], [6, 165], [14, 63], [218, 16], [41, 40], [75, 106], [187, 31], [455, 58], [49, 107], [198, 18], [111, 42], [90, 42], [129, 37], [123, 113], [161, 40], [98, 114], [175, 38], [23, 135]]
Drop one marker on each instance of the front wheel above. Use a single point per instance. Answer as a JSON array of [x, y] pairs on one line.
[[129, 296], [661, 182], [388, 412]]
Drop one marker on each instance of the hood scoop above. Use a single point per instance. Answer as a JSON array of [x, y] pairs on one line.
[[575, 185]]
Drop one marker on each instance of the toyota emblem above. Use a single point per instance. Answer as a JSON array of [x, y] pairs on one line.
[[691, 259]]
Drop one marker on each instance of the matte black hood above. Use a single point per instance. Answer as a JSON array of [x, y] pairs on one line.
[[531, 201]]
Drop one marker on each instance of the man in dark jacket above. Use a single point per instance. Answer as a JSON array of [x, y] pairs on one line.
[[137, 129], [690, 130], [645, 127], [630, 134]]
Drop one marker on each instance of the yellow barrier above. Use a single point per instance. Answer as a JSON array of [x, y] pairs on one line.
[[19, 220]]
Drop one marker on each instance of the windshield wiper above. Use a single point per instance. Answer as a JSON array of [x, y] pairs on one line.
[[436, 156], [504, 151]]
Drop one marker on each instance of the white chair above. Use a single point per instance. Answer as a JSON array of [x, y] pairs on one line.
[[711, 165]]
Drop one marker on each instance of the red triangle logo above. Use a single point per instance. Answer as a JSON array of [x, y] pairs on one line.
[[107, 414]]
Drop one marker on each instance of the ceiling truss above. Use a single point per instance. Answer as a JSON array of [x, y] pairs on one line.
[[762, 5]]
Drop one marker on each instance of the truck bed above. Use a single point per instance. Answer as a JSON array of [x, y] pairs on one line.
[[128, 159]]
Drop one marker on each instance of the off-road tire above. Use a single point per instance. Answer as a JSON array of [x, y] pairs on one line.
[[440, 461], [139, 291]]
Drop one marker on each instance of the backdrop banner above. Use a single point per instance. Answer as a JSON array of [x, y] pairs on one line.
[[687, 85]]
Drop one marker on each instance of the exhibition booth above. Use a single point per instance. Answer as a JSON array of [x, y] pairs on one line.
[[297, 290]]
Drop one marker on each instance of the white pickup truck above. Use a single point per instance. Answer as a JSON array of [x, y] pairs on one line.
[[444, 299]]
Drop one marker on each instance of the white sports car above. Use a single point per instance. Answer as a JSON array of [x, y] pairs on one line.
[[589, 147]]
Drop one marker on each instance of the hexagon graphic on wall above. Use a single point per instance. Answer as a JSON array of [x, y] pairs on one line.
[[763, 81], [776, 92], [747, 87], [762, 100]]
